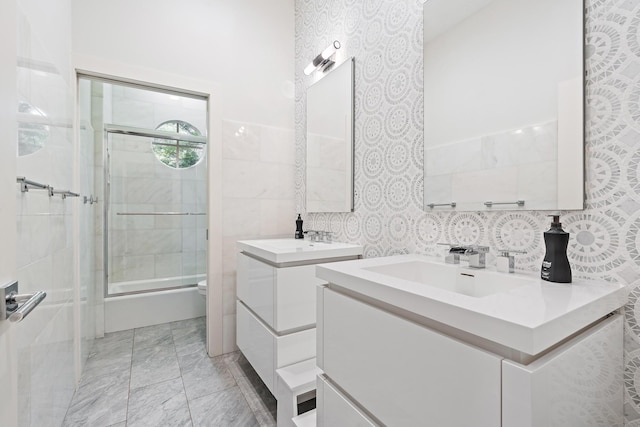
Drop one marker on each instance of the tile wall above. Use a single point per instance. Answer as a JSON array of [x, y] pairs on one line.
[[386, 40], [45, 247], [258, 171]]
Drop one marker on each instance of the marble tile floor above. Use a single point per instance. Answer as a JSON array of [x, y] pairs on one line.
[[161, 375]]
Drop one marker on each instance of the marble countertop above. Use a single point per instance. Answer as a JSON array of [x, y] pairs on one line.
[[290, 250], [530, 318]]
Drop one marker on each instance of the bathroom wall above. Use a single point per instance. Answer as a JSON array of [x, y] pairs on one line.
[[44, 224], [386, 40], [8, 127], [246, 49], [258, 172]]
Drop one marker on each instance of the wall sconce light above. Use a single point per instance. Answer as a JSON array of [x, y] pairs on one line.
[[323, 60]]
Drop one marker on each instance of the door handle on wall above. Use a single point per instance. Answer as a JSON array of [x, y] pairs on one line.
[[10, 299]]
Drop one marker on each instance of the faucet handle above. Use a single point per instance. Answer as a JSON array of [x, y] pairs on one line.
[[453, 254], [506, 262], [327, 236]]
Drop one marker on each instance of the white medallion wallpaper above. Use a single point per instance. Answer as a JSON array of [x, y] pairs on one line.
[[385, 37]]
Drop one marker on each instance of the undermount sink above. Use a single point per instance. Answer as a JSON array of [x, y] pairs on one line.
[[451, 278]]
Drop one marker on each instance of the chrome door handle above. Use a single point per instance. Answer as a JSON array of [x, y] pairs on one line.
[[10, 299]]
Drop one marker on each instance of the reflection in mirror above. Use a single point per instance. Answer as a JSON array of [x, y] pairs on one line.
[[329, 186], [503, 91], [33, 129]]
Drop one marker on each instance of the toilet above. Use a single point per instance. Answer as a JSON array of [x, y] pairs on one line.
[[202, 288]]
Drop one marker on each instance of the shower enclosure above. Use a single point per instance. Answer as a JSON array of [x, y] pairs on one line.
[[154, 208], [144, 149]]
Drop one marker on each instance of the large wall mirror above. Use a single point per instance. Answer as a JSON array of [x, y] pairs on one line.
[[329, 186], [503, 105]]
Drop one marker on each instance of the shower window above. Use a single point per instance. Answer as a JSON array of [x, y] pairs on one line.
[[178, 154]]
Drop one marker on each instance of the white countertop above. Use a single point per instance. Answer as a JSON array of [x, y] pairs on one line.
[[529, 318], [290, 250]]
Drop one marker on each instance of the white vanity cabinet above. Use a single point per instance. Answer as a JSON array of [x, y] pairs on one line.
[[403, 341], [284, 298], [403, 373], [268, 351], [276, 300], [383, 368]]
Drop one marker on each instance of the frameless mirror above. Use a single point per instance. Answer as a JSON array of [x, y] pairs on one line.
[[503, 104], [329, 186]]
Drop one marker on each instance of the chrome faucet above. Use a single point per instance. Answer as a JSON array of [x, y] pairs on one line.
[[319, 236], [476, 254], [313, 235], [505, 262]]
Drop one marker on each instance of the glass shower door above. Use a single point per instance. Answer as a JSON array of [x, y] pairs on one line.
[[155, 214]]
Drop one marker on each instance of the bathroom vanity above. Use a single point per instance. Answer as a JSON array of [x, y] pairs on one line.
[[409, 340], [276, 300]]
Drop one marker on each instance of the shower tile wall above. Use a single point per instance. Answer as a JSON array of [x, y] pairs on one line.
[[386, 40], [45, 249], [258, 169], [148, 247]]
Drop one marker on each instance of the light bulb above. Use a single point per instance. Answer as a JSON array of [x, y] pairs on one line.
[[309, 69], [326, 54]]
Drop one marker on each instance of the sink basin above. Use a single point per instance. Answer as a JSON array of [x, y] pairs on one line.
[[452, 278], [284, 251], [519, 311]]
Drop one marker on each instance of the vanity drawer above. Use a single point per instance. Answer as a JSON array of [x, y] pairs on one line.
[[284, 298], [335, 409], [579, 383], [265, 350], [404, 373]]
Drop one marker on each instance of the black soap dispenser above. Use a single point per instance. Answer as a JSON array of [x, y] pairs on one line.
[[555, 267], [299, 233]]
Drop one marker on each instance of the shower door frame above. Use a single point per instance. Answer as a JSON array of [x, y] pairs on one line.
[[106, 166], [100, 68]]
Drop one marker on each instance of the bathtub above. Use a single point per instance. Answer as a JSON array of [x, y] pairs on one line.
[[153, 285], [138, 304]]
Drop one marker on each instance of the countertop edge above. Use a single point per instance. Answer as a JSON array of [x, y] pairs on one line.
[[527, 339]]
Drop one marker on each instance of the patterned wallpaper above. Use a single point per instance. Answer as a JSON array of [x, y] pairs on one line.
[[385, 37]]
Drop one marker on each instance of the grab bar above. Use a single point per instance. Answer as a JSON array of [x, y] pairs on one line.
[[10, 299], [160, 213]]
